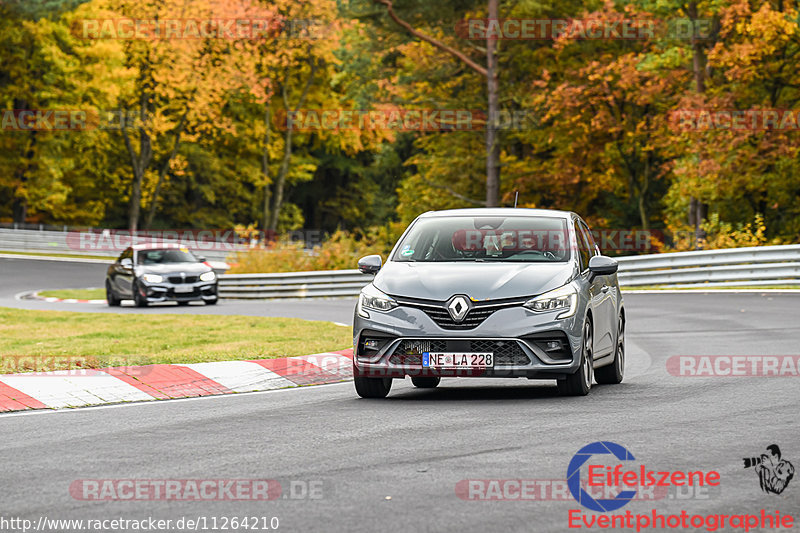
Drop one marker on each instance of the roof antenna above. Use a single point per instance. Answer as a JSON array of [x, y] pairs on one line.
[[516, 196]]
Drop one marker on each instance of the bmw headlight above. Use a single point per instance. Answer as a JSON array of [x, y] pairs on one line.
[[562, 299], [208, 276], [152, 278], [372, 298]]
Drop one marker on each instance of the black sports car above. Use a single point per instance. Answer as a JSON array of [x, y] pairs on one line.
[[165, 273]]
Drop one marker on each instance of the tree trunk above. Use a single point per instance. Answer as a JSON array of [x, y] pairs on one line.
[[163, 172], [277, 201], [492, 144], [20, 203], [265, 172], [696, 214], [280, 183], [139, 162]]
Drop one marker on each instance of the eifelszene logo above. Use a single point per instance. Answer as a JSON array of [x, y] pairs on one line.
[[610, 479], [774, 473]]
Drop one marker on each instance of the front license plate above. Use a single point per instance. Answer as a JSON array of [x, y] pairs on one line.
[[457, 360], [182, 289]]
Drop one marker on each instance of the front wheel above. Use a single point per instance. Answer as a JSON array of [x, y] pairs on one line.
[[613, 373], [580, 383], [371, 387], [426, 382], [138, 298], [111, 298]]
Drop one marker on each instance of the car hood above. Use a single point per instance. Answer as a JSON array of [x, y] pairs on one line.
[[170, 268], [480, 281]]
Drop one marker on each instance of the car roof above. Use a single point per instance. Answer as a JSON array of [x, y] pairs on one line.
[[151, 246], [499, 211]]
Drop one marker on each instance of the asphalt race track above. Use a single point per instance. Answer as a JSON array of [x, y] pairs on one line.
[[394, 464]]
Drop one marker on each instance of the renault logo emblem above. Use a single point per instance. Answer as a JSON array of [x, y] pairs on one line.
[[458, 308]]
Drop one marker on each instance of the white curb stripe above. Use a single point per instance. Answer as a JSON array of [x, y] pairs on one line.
[[69, 388], [241, 376]]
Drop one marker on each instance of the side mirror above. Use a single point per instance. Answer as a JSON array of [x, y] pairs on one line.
[[601, 265], [370, 264], [126, 263]]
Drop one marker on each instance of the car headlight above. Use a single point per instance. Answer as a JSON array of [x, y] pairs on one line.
[[208, 276], [372, 298], [152, 278], [562, 299]]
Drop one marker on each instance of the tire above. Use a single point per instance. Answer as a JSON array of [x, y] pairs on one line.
[[183, 304], [137, 297], [111, 298], [371, 387], [613, 373], [580, 383], [426, 382], [212, 302]]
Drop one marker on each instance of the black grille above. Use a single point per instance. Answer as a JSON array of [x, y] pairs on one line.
[[438, 312], [181, 279], [506, 353], [474, 318]]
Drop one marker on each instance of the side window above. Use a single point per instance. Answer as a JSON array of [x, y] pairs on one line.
[[594, 250], [583, 246]]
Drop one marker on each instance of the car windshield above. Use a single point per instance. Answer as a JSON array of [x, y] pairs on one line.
[[526, 239], [160, 257]]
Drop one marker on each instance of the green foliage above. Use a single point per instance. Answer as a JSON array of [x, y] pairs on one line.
[[340, 251], [597, 139]]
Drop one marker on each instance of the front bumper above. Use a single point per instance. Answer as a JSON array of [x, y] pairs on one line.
[[522, 343], [183, 292]]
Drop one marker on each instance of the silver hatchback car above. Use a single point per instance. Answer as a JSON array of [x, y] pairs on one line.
[[495, 292]]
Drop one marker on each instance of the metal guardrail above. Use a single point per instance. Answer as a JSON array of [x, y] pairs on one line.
[[752, 266], [62, 242], [321, 284], [756, 266]]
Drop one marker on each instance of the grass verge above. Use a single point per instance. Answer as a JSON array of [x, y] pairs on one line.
[[78, 294], [54, 340]]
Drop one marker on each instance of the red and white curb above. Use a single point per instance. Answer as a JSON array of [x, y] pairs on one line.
[[52, 299], [81, 388]]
